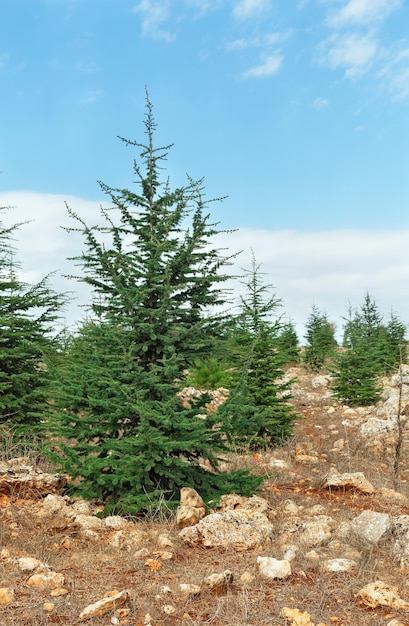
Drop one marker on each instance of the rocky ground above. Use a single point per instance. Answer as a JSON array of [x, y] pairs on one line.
[[326, 541]]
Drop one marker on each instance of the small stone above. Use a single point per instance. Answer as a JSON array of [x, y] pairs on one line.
[[218, 583], [273, 568], [339, 565], [381, 594], [290, 552], [46, 580], [48, 607], [192, 508], [115, 521], [153, 565], [163, 554], [391, 494], [317, 531], [246, 578], [59, 591], [141, 554], [349, 480], [100, 608], [297, 617], [188, 589], [164, 541], [169, 609], [27, 564], [278, 464], [6, 595]]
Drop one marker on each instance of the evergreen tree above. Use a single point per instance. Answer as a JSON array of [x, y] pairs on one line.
[[320, 338], [258, 413], [287, 343], [385, 342], [396, 331], [157, 289], [372, 349], [355, 380], [26, 317]]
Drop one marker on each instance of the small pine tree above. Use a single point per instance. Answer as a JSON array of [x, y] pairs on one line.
[[26, 315], [155, 278], [320, 338], [287, 344], [397, 348], [372, 349], [258, 413], [355, 381]]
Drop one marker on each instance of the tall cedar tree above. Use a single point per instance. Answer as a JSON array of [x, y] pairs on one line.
[[157, 292], [372, 349], [258, 412], [320, 338], [27, 314]]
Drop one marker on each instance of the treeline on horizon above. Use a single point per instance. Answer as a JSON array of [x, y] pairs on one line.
[[102, 402]]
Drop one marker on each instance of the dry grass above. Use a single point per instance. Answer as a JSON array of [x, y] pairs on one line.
[[93, 567]]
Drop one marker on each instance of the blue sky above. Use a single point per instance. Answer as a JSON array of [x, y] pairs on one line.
[[298, 111]]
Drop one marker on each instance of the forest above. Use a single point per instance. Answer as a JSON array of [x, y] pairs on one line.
[[101, 402]]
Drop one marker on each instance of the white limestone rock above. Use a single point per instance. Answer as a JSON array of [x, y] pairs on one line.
[[272, 568], [239, 529], [371, 526]]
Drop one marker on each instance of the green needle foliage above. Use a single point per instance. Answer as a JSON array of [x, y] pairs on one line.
[[125, 435], [372, 350], [258, 412], [287, 344], [26, 317], [320, 339]]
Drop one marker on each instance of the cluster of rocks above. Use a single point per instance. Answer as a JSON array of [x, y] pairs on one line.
[[280, 538], [189, 395], [20, 478], [238, 523]]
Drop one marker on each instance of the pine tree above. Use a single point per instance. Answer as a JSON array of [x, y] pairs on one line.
[[397, 348], [373, 349], [287, 344], [355, 380], [385, 342], [320, 338], [258, 413], [26, 317], [157, 292]]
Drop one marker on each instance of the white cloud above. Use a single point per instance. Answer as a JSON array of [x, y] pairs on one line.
[[363, 12], [43, 247], [320, 103], [352, 52], [205, 6], [330, 269], [245, 9], [395, 73], [154, 15], [269, 67], [263, 41], [92, 97], [87, 67]]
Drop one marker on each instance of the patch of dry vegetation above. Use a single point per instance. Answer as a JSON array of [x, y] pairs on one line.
[[295, 473]]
